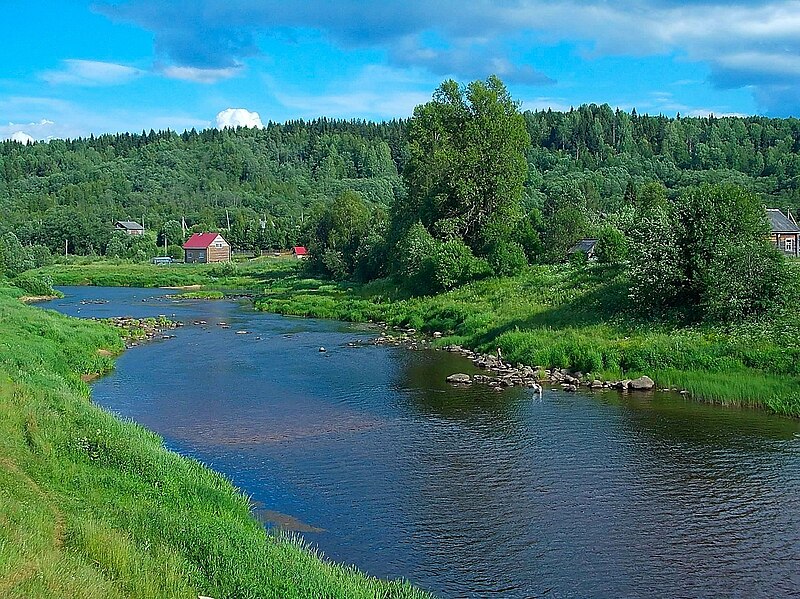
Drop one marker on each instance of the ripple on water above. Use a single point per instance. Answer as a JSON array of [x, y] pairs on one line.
[[464, 491]]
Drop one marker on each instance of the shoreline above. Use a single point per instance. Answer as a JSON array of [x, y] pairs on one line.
[[142, 520], [541, 317]]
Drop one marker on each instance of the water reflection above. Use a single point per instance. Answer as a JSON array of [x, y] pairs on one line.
[[466, 491]]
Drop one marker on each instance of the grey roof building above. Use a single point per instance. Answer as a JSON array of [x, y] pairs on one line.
[[784, 232], [128, 226]]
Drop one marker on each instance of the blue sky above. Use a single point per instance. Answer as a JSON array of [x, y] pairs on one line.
[[75, 67]]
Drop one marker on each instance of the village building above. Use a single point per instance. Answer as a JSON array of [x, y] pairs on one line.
[[784, 232], [300, 252], [205, 248], [584, 246], [129, 227]]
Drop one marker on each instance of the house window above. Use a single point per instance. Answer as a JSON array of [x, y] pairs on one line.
[[788, 245]]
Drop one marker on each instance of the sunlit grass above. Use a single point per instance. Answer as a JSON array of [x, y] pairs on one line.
[[91, 506]]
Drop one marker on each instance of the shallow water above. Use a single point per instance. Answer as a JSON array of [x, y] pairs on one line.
[[465, 492]]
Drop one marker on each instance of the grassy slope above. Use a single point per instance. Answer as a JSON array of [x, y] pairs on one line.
[[94, 507], [246, 276]]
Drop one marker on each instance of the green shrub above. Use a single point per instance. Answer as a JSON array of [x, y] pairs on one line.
[[507, 258], [40, 285]]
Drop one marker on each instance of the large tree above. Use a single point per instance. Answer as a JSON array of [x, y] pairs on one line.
[[707, 256], [466, 166]]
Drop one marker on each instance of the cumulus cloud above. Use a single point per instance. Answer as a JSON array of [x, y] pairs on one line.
[[751, 44], [238, 117], [91, 72], [467, 61], [21, 137]]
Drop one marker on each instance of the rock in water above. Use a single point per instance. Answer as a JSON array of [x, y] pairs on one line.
[[643, 383], [459, 379]]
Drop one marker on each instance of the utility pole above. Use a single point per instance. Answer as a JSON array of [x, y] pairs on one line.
[[66, 247]]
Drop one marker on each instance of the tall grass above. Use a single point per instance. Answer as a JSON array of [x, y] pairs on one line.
[[94, 507], [577, 318]]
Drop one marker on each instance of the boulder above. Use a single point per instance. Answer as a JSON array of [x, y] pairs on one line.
[[643, 383], [459, 379]]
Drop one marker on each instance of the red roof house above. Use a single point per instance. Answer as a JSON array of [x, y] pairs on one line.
[[206, 247], [299, 252]]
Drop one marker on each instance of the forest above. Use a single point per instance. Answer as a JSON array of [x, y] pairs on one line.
[[264, 186]]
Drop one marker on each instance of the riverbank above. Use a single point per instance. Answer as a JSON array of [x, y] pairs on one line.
[[575, 318], [96, 507]]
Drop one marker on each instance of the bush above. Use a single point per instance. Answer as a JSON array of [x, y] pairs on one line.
[[612, 247], [175, 251], [507, 258], [454, 264], [35, 285], [223, 269]]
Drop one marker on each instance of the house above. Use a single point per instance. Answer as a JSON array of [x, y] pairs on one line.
[[300, 252], [205, 248], [784, 232], [128, 226], [584, 246]]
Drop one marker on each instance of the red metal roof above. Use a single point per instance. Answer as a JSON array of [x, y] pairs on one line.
[[299, 250], [200, 241]]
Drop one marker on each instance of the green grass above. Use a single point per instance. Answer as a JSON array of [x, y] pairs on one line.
[[208, 295], [246, 276], [91, 506], [578, 318], [566, 316]]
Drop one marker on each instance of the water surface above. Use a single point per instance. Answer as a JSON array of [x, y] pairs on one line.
[[465, 492]]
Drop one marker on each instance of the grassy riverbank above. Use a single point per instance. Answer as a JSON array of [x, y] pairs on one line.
[[94, 507], [567, 316], [578, 318], [249, 276]]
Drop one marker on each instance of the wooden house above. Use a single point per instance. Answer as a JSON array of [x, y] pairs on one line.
[[129, 227], [584, 246], [300, 252], [784, 232], [205, 248]]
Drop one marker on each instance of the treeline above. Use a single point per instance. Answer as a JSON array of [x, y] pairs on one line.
[[275, 187], [258, 184]]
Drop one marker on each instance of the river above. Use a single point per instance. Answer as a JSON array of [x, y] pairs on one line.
[[465, 492]]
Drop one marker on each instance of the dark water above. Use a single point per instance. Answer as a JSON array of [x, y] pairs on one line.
[[465, 492]]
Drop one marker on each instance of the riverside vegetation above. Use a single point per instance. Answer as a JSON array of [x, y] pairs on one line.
[[575, 316], [94, 507]]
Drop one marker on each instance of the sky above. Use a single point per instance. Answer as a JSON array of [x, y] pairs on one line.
[[71, 68]]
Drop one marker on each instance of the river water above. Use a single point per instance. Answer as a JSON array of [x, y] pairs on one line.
[[465, 492]]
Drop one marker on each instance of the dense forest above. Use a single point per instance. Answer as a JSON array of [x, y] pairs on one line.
[[266, 182]]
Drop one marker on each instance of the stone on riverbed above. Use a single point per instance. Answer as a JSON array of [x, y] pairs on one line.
[[459, 379], [643, 383]]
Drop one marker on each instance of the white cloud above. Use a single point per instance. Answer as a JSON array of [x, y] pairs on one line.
[[22, 137], [238, 117], [91, 72], [200, 75]]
